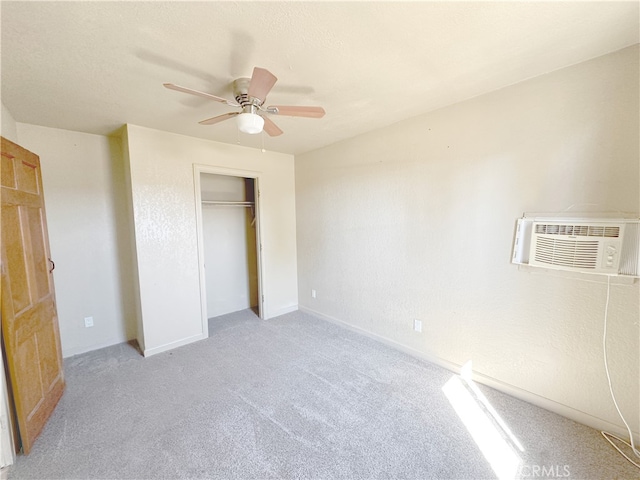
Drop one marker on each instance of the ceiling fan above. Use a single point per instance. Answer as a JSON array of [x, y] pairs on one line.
[[250, 95]]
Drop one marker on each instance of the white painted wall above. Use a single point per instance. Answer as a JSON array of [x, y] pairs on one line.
[[416, 221], [8, 126], [227, 255], [229, 243], [83, 178], [7, 451], [164, 210], [222, 188]]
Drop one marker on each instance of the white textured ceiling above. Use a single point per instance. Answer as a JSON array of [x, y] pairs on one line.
[[93, 66]]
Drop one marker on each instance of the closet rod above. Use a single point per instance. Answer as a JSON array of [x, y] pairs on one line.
[[228, 204]]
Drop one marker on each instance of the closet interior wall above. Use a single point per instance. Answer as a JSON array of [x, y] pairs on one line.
[[229, 235]]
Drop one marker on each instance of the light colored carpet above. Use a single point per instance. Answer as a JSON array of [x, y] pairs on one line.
[[292, 397]]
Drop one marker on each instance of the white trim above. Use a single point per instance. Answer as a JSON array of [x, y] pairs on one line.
[[172, 345], [96, 346], [7, 448], [542, 402], [200, 246], [231, 172]]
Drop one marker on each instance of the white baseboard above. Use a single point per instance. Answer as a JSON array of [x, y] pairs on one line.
[[169, 346], [70, 352], [542, 402]]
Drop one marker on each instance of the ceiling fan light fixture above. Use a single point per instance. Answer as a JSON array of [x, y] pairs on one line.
[[250, 123]]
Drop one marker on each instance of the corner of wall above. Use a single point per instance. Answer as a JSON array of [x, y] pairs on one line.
[[130, 239], [8, 129]]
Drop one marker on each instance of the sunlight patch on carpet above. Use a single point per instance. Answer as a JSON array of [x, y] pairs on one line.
[[492, 435]]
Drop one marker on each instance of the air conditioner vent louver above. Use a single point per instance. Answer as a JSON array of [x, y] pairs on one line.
[[567, 253], [578, 230]]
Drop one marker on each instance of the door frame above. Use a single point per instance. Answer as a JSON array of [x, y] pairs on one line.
[[229, 172], [7, 429]]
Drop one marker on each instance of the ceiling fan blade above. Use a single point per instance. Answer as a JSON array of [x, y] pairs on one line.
[[294, 111], [172, 86], [218, 119], [262, 81], [271, 128]]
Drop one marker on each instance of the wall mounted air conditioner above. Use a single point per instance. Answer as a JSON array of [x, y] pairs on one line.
[[587, 245]]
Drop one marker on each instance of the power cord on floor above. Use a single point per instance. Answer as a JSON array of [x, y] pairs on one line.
[[608, 436]]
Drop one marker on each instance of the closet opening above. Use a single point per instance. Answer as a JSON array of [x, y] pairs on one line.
[[230, 253]]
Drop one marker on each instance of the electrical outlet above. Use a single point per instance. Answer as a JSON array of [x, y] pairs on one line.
[[313, 294], [417, 326], [88, 322]]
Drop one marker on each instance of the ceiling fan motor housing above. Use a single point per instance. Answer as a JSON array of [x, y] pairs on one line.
[[248, 121], [240, 92]]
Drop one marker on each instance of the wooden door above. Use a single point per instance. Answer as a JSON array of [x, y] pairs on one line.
[[29, 319]]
